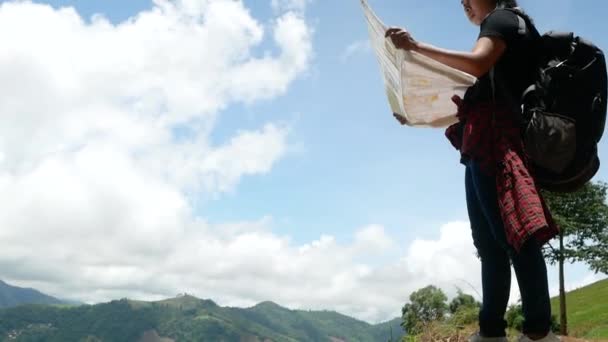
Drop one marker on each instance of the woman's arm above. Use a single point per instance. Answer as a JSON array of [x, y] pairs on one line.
[[478, 62]]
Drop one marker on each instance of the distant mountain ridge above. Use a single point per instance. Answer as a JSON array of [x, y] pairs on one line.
[[186, 318], [13, 296]]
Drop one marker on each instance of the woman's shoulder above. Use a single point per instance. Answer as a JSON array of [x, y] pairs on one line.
[[502, 23], [501, 16]]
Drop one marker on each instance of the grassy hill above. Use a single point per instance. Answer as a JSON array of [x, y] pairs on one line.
[[587, 310], [185, 318]]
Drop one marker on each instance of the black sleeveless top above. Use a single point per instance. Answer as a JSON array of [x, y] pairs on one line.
[[514, 71]]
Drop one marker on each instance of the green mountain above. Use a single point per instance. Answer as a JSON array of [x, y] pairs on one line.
[[587, 309], [12, 296], [185, 318]]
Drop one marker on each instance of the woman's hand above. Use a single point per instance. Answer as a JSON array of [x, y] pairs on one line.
[[402, 120], [402, 39]]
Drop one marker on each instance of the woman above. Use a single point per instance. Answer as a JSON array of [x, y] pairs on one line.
[[509, 219]]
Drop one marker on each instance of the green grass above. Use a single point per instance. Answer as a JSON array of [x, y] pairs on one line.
[[587, 310]]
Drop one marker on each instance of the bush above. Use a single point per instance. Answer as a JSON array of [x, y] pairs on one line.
[[442, 331], [555, 326], [515, 317], [465, 316]]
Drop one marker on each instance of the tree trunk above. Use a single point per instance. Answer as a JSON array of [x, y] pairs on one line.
[[563, 318]]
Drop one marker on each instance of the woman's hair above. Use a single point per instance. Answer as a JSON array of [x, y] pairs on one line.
[[512, 4], [506, 3]]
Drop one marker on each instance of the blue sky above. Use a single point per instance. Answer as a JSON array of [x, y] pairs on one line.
[[352, 164], [348, 164], [367, 168]]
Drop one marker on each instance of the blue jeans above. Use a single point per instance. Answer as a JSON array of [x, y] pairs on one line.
[[496, 257]]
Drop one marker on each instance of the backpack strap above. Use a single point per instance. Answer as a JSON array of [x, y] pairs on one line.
[[523, 28], [493, 85], [530, 90]]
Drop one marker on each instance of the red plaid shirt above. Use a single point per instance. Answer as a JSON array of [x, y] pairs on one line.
[[491, 136]]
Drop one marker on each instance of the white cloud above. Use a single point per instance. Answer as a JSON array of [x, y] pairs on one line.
[[360, 46], [68, 84], [373, 237], [289, 5], [238, 265], [95, 179]]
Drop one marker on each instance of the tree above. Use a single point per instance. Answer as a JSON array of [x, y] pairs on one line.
[[426, 305], [583, 220], [464, 309], [463, 300]]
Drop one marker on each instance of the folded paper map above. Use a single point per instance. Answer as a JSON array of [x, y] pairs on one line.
[[418, 88]]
